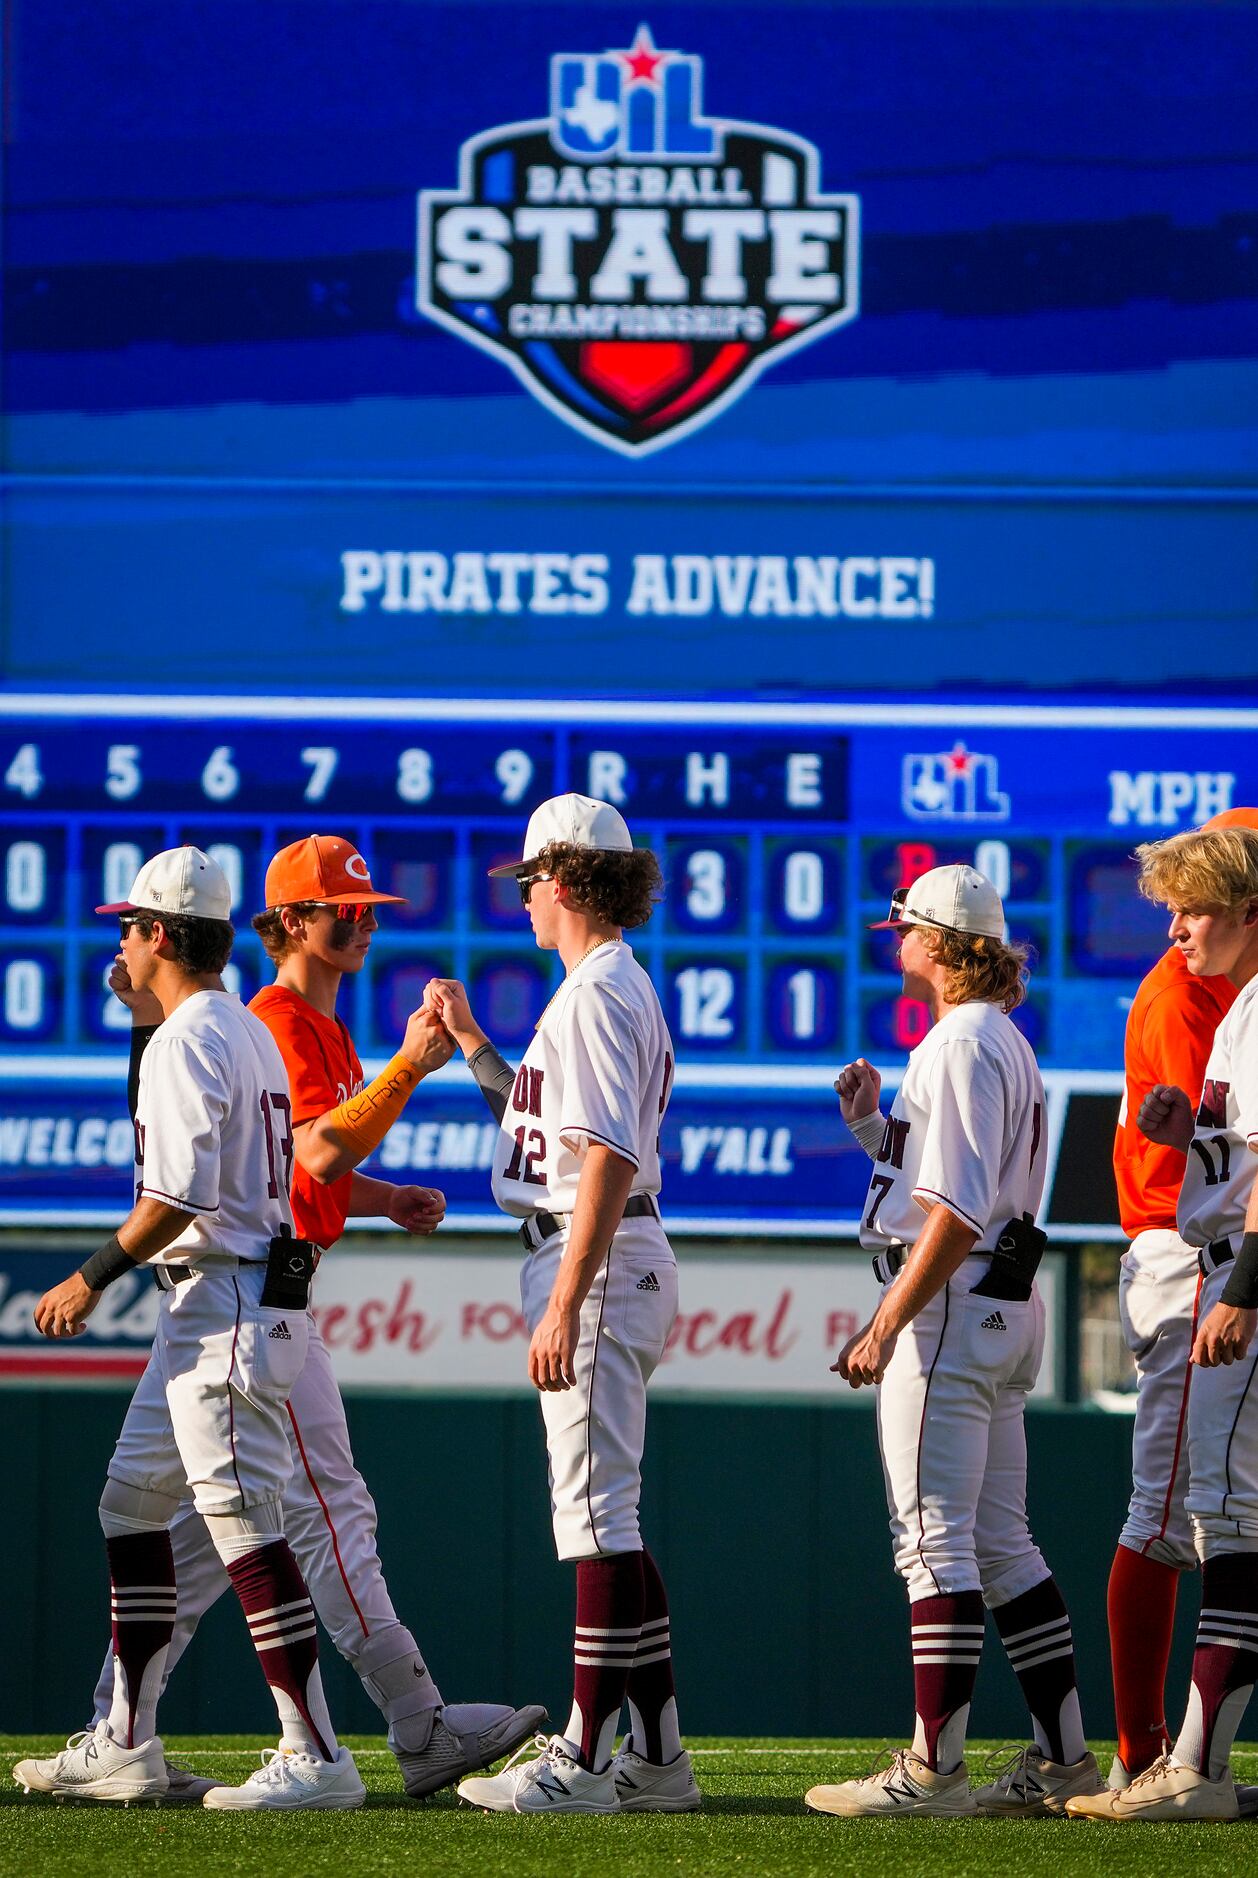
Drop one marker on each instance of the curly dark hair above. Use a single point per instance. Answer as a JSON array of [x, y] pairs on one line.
[[199, 945], [978, 967], [621, 887]]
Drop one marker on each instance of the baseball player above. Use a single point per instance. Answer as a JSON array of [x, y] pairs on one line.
[[212, 1216], [955, 1346], [577, 1162], [1170, 1030], [318, 927], [1209, 880]]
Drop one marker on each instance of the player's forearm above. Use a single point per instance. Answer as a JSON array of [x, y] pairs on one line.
[[602, 1191], [323, 1151], [368, 1198], [939, 1251], [494, 1076], [150, 1227]]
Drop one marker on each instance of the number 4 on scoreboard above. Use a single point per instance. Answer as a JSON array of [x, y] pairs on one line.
[[24, 773]]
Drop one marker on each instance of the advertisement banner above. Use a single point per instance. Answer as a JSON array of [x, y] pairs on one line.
[[449, 1325]]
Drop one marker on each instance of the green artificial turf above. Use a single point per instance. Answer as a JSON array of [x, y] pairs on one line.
[[753, 1821]]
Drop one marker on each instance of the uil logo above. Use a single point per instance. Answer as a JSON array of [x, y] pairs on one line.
[[636, 263]]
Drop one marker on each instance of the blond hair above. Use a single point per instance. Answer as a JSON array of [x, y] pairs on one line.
[[1204, 870], [978, 967]]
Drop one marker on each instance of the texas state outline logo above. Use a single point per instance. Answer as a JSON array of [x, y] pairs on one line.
[[636, 263]]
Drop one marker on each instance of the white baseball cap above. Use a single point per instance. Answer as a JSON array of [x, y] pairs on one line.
[[578, 822], [179, 880], [956, 898]]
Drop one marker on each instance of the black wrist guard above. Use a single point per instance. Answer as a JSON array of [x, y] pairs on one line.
[[104, 1266], [1241, 1289]]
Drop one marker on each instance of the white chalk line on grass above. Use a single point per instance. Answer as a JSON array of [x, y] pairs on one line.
[[386, 1754]]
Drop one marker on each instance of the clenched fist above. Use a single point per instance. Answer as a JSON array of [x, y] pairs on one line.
[[427, 1044], [858, 1086], [1166, 1117]]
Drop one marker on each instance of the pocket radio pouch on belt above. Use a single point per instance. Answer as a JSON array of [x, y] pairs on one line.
[[289, 1269], [1015, 1261]]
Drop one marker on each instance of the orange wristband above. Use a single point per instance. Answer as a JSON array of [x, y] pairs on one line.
[[365, 1119]]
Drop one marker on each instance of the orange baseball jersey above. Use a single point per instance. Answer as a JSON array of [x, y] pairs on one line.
[[323, 1071], [1170, 1029]]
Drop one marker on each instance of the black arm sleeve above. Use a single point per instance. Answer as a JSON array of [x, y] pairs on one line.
[[1241, 1289], [140, 1035], [495, 1077]]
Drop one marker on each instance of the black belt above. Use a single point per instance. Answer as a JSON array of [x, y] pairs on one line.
[[542, 1226], [166, 1277], [887, 1264], [1210, 1257]]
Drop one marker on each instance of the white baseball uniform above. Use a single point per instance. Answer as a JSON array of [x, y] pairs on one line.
[[966, 1128], [598, 1070], [1218, 1179], [213, 1138], [1170, 1029], [329, 1514]]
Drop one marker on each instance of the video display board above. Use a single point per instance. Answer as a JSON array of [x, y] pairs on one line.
[[782, 834], [825, 429]]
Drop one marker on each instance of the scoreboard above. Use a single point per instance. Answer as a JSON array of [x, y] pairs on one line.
[[782, 830]]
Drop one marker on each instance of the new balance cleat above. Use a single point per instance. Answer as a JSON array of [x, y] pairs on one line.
[[93, 1766], [465, 1737], [644, 1786], [551, 1783], [906, 1788], [290, 1780], [1030, 1786], [1163, 1791]]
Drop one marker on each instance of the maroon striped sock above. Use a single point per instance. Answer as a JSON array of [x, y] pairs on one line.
[[1035, 1630], [610, 1599], [142, 1601], [1224, 1664], [947, 1634], [651, 1691], [281, 1621]]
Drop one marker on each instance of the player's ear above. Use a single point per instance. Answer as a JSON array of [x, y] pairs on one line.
[[293, 921], [1251, 913]]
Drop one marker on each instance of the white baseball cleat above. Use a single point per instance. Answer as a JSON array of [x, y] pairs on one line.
[[183, 1784], [93, 1766], [290, 1779], [644, 1786], [552, 1783], [466, 1736], [1163, 1791], [1031, 1786], [1118, 1777], [906, 1787]]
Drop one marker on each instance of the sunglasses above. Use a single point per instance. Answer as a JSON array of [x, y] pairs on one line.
[[351, 911], [127, 920], [525, 883]]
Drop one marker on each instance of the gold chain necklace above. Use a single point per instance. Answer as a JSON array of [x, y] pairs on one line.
[[589, 951]]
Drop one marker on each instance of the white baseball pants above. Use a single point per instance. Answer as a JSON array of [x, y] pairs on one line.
[[208, 1414], [1223, 1445], [595, 1432], [1157, 1303], [329, 1521], [953, 1443]]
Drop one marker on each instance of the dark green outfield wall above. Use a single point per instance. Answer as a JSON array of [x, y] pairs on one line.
[[769, 1523]]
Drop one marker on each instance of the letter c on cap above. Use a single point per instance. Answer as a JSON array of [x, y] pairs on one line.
[[355, 865]]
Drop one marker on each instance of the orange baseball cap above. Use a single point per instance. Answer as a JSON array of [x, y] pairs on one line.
[[1232, 818], [326, 870]]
